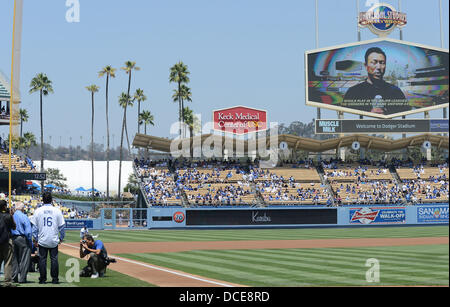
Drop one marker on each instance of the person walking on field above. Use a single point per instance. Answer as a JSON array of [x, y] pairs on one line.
[[49, 231]]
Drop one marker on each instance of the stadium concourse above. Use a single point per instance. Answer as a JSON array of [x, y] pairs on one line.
[[329, 182]]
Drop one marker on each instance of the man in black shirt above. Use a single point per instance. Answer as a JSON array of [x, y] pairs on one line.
[[6, 246], [376, 95]]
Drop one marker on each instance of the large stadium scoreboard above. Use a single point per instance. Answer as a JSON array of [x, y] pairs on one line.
[[381, 79]]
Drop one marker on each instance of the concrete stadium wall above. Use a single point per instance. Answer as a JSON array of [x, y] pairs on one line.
[[190, 218], [426, 214]]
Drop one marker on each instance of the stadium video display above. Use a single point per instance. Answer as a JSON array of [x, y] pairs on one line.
[[383, 78]]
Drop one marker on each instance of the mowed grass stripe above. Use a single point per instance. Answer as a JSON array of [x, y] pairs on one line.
[[315, 272], [211, 269], [371, 253], [398, 266], [241, 272], [290, 272], [333, 266], [291, 268], [263, 234], [339, 260], [274, 267]]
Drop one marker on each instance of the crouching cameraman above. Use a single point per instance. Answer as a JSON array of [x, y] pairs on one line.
[[98, 257]]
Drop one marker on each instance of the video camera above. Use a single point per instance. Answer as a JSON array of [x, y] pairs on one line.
[[109, 260]]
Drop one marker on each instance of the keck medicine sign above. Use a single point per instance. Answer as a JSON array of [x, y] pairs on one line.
[[240, 120]]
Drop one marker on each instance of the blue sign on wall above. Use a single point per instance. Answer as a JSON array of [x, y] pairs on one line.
[[439, 125], [377, 215], [78, 224], [435, 214]]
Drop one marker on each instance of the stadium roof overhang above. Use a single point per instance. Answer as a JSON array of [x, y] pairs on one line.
[[293, 142]]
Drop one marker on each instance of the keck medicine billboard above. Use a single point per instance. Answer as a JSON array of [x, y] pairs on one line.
[[382, 78], [240, 120]]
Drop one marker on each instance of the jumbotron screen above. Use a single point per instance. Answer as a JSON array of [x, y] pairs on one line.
[[382, 78]]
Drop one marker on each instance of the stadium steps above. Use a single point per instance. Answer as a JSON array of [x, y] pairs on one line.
[[141, 188], [259, 199], [394, 174], [184, 199], [324, 182]]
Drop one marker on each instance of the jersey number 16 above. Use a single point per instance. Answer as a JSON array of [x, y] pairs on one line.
[[48, 221]]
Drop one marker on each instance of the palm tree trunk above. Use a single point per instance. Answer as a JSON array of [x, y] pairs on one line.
[[191, 131], [145, 127], [139, 112], [126, 133], [121, 155], [92, 146], [125, 119], [139, 126], [180, 118], [121, 137], [21, 125], [107, 141], [42, 142]]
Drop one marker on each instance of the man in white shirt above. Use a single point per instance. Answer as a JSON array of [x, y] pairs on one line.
[[84, 231], [49, 231]]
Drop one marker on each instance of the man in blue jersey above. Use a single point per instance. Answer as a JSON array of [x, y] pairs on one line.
[[98, 257], [49, 231]]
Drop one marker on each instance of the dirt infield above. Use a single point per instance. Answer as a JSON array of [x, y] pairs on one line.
[[164, 277]]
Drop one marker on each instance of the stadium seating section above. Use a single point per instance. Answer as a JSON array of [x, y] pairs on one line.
[[31, 203], [329, 183], [18, 164]]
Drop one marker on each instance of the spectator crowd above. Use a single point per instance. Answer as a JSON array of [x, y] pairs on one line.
[[216, 182]]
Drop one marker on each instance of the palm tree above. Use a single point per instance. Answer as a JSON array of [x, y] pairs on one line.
[[42, 84], [179, 74], [128, 68], [182, 94], [23, 114], [146, 118], [93, 89], [139, 97], [109, 72], [192, 122], [124, 101], [29, 141]]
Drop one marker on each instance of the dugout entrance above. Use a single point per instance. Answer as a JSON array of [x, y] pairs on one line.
[[123, 218]]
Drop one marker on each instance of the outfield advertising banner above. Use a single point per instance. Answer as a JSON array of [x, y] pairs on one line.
[[377, 215], [382, 78], [78, 224], [434, 214], [261, 217]]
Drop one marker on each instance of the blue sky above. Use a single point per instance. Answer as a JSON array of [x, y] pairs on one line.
[[247, 52]]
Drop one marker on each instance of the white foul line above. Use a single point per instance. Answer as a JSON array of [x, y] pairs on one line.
[[164, 270]]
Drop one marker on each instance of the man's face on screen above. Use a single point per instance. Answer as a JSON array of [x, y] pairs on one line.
[[376, 66]]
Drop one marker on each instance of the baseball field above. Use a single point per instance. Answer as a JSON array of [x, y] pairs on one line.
[[404, 256]]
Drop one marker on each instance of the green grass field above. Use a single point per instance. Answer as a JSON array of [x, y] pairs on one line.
[[399, 265], [406, 265], [262, 234]]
